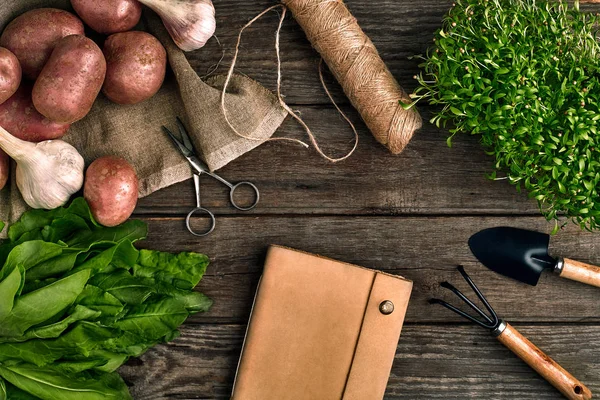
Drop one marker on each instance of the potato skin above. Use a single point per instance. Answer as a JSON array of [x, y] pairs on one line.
[[10, 74], [33, 35], [109, 16], [19, 117], [136, 65], [111, 190], [70, 81], [4, 168]]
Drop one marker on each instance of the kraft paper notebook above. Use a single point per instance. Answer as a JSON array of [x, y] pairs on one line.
[[320, 329]]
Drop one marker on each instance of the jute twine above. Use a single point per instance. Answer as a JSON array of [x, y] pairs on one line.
[[357, 66]]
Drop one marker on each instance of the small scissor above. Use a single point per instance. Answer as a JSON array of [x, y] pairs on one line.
[[199, 167]]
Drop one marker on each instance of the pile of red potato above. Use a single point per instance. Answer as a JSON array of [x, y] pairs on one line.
[[51, 74]]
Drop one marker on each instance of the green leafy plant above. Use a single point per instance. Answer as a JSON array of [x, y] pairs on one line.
[[525, 76], [78, 299]]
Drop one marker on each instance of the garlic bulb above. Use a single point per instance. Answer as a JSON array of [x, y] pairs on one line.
[[48, 173], [189, 22]]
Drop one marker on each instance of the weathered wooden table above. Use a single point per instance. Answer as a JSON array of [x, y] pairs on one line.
[[410, 215]]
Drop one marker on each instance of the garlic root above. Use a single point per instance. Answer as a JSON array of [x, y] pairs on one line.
[[48, 173], [189, 22]]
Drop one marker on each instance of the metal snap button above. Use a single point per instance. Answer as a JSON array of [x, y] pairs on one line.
[[386, 307]]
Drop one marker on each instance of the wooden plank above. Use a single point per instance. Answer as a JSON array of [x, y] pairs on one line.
[[399, 29], [427, 178], [432, 362], [423, 249]]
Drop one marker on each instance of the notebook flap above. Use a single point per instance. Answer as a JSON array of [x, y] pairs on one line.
[[378, 338]]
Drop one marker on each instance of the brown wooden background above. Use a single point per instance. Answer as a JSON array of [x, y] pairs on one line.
[[410, 214]]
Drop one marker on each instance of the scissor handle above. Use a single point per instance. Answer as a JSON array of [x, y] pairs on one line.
[[205, 211], [256, 195]]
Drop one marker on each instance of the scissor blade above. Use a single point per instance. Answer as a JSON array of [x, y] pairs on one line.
[[184, 135], [182, 148], [186, 148]]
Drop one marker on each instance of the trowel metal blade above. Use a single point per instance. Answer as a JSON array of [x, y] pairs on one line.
[[517, 253]]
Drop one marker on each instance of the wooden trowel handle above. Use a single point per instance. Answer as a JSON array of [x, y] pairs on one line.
[[570, 387], [580, 272]]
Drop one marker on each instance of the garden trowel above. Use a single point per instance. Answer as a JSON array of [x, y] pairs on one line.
[[523, 255]]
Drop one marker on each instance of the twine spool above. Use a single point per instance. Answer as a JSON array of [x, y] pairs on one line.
[[357, 66]]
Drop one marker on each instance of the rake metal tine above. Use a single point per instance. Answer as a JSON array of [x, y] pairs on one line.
[[466, 300], [458, 311], [487, 305]]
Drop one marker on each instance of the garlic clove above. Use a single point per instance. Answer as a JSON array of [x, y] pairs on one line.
[[49, 181], [189, 22], [48, 173]]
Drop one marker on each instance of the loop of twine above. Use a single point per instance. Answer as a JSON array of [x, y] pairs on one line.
[[283, 104]]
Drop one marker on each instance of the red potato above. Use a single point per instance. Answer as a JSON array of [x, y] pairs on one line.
[[33, 35], [136, 65], [111, 190], [4, 169], [70, 81], [10, 74], [109, 16], [19, 117]]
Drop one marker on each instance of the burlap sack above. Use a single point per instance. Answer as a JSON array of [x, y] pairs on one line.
[[134, 132]]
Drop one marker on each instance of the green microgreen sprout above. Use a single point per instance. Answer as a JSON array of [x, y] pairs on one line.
[[525, 76]]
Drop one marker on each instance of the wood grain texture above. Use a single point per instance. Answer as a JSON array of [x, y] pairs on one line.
[[423, 249], [427, 178], [399, 30], [544, 365], [581, 272], [410, 214], [432, 362]]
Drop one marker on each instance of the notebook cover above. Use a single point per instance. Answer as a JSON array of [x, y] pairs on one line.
[[316, 331]]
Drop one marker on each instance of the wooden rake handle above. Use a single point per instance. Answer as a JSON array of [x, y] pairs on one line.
[[566, 383], [580, 272]]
